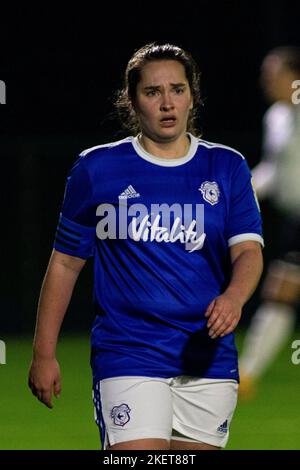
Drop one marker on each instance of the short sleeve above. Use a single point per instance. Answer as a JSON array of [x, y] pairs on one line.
[[76, 230], [244, 220]]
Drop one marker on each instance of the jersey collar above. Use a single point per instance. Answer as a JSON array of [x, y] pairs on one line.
[[166, 161]]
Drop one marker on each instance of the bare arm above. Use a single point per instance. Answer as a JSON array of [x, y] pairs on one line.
[[225, 311], [61, 276]]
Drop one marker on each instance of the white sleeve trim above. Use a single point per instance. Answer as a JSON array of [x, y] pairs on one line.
[[246, 237]]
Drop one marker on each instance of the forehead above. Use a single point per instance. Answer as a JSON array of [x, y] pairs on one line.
[[162, 71], [272, 64]]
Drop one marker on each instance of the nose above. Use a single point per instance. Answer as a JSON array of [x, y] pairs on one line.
[[166, 103]]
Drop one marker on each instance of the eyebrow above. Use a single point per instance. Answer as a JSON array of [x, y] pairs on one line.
[[155, 87]]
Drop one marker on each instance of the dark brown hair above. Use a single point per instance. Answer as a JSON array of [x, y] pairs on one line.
[[153, 52]]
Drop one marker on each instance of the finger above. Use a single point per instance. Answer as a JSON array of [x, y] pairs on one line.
[[220, 331], [217, 311], [210, 308], [229, 327], [30, 383], [46, 398], [227, 323], [228, 330], [57, 388], [218, 325], [33, 388], [34, 391]]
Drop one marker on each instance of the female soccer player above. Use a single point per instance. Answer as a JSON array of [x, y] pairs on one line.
[[173, 225]]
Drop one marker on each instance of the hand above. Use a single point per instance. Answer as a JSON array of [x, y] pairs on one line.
[[44, 379], [223, 315]]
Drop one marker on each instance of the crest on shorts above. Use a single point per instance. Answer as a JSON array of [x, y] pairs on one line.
[[210, 191], [120, 414]]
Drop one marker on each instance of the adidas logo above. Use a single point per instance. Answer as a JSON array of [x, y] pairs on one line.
[[223, 428], [129, 192]]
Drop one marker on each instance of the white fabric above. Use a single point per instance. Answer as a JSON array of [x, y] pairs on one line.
[[143, 407], [278, 173], [166, 161], [269, 329], [246, 237]]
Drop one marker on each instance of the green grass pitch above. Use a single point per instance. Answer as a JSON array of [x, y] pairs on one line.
[[271, 421]]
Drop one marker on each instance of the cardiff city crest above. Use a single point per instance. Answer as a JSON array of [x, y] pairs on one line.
[[120, 414], [210, 191]]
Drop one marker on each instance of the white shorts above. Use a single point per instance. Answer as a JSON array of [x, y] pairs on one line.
[[182, 408]]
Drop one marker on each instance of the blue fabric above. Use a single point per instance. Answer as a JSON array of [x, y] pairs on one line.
[[150, 296]]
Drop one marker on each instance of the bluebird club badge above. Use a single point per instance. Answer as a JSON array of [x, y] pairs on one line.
[[210, 191]]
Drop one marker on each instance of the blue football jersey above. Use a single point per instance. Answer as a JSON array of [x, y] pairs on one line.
[[160, 232]]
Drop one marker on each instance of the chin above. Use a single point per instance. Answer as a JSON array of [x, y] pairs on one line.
[[170, 132], [168, 136]]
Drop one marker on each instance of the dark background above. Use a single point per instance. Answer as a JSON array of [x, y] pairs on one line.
[[62, 66]]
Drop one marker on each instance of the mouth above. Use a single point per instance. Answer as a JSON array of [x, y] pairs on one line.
[[168, 121]]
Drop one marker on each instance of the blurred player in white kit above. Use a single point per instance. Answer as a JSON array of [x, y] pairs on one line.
[[277, 176]]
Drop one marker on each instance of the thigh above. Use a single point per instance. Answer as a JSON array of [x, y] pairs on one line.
[[191, 445], [282, 283], [133, 409], [282, 280], [203, 410], [142, 444]]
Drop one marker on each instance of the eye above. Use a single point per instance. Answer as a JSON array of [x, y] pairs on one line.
[[179, 90], [152, 92]]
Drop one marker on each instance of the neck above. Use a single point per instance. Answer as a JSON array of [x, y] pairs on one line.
[[174, 149]]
